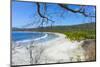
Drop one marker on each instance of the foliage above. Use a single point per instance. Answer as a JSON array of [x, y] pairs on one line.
[[74, 32], [80, 35]]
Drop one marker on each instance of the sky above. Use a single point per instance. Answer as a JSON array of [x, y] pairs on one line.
[[24, 14]]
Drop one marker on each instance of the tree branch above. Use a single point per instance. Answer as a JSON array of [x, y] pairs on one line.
[[76, 11], [39, 12]]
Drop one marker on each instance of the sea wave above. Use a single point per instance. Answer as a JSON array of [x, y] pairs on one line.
[[41, 37], [36, 39]]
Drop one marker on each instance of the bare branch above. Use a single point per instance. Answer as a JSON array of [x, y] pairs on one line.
[[76, 11], [39, 12]]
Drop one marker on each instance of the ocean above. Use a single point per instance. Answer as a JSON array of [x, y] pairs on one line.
[[18, 36]]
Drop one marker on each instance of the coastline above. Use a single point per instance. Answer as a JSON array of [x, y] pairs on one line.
[[58, 50]]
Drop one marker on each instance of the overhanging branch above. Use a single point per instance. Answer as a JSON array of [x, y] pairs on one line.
[[81, 10], [41, 15]]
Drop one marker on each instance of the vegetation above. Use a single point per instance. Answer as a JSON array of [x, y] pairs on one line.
[[80, 35], [74, 32]]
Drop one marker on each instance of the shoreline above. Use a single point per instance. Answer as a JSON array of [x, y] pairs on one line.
[[60, 50], [32, 40]]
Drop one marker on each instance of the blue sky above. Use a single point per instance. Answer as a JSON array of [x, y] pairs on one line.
[[24, 13]]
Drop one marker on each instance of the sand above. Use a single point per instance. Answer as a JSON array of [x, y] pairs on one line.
[[58, 50]]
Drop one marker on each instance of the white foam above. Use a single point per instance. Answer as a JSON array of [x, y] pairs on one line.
[[41, 37], [57, 50], [36, 39]]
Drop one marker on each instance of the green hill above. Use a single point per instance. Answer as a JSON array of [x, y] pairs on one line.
[[85, 26], [74, 32]]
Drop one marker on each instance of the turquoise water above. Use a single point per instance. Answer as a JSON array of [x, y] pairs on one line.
[[36, 36]]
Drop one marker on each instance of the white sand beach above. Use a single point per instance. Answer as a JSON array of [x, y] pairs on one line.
[[58, 50]]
